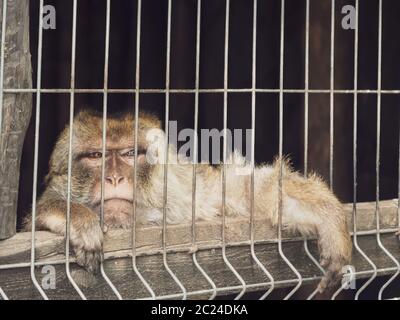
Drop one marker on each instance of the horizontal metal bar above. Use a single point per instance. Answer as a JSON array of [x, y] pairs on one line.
[[222, 289], [263, 285], [216, 90], [209, 247]]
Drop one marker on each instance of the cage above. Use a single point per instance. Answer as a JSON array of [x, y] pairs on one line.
[[314, 80]]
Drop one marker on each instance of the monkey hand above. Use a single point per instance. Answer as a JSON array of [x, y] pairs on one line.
[[86, 238], [333, 272], [335, 255]]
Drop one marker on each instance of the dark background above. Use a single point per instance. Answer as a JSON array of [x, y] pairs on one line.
[[90, 48]]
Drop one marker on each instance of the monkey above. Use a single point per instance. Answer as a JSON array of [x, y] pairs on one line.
[[307, 204]]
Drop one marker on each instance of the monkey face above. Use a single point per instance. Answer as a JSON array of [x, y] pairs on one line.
[[89, 184], [118, 181], [118, 175]]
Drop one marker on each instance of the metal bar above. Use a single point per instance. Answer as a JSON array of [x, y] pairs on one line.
[[253, 148], [3, 294], [306, 114], [355, 112], [105, 101], [137, 97], [71, 129], [223, 180], [378, 141], [331, 96], [306, 86], [228, 288], [36, 154], [262, 285], [280, 186], [332, 113], [216, 90], [165, 165], [398, 192], [195, 155]]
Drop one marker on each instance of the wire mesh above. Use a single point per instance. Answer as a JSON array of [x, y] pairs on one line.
[[266, 287]]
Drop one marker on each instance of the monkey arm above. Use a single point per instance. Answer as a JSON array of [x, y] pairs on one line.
[[86, 236], [309, 207]]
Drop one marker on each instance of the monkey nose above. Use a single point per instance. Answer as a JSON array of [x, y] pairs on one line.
[[115, 180]]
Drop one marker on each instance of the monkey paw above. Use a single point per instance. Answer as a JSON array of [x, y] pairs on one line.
[[333, 272], [87, 243]]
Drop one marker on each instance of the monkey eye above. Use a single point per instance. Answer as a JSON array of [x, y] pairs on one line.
[[130, 153], [94, 155]]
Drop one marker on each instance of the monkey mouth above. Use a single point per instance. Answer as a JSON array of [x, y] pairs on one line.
[[120, 199], [114, 200]]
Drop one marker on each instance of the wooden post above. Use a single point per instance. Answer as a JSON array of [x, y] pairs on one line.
[[16, 109]]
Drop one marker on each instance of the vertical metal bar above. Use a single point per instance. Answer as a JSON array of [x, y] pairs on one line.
[[398, 191], [226, 51], [71, 129], [378, 144], [195, 156], [306, 114], [355, 112], [332, 113], [3, 44], [137, 97], [253, 139], [36, 153], [280, 186], [165, 165], [331, 96], [306, 86], [103, 161]]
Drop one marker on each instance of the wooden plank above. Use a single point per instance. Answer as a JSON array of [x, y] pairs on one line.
[[149, 240], [16, 110], [50, 248]]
